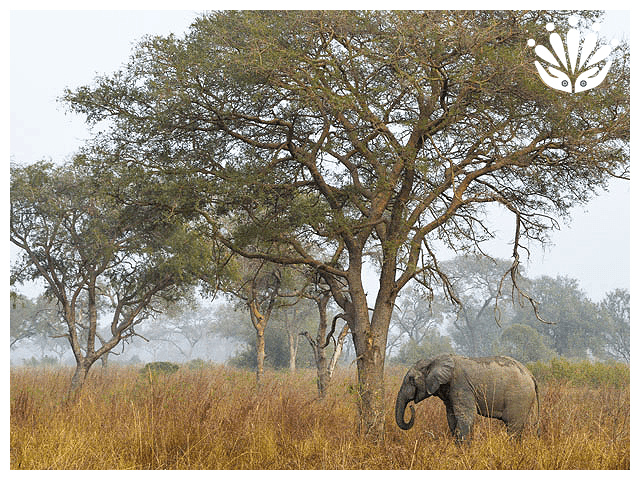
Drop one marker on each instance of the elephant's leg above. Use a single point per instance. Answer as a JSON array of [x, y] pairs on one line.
[[451, 419], [464, 418], [515, 426], [464, 426], [515, 418], [464, 410]]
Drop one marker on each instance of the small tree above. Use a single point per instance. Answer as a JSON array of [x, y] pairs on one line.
[[183, 324], [615, 314], [523, 343], [416, 316], [295, 316], [257, 284], [573, 329], [39, 323], [322, 340], [483, 297], [86, 244], [27, 319]]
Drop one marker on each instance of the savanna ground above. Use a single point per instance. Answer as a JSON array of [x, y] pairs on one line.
[[214, 418]]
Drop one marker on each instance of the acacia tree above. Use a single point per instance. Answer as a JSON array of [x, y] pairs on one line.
[[295, 312], [86, 245], [28, 318], [523, 343], [349, 135], [291, 318]]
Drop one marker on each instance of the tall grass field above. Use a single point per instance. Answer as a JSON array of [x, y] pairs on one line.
[[216, 418]]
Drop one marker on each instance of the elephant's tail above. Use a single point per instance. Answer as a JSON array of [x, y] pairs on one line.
[[535, 384]]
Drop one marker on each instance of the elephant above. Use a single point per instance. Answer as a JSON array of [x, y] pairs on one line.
[[495, 387]]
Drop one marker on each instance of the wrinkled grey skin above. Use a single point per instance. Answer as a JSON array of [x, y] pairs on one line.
[[496, 387]]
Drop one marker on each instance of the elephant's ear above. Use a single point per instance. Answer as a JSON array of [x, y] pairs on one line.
[[440, 373]]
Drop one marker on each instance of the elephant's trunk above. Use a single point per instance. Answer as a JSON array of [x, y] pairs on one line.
[[401, 404]]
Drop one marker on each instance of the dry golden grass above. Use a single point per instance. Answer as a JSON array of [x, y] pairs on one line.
[[215, 418]]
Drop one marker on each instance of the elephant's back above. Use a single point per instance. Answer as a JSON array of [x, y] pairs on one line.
[[499, 370]]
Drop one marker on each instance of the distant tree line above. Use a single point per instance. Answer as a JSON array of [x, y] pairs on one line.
[[489, 322]]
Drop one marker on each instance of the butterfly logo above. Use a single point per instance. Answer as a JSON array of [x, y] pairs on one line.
[[584, 64]]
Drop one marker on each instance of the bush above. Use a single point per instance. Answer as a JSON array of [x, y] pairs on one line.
[[582, 373], [197, 364], [523, 343], [155, 368]]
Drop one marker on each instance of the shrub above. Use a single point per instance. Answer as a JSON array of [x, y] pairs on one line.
[[582, 372], [197, 364], [155, 368], [523, 343]]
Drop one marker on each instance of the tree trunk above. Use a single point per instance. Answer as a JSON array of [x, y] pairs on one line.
[[325, 372], [370, 351], [260, 354], [369, 336], [79, 376], [292, 338], [323, 379], [370, 341], [322, 375], [338, 350], [293, 350], [259, 322], [371, 406]]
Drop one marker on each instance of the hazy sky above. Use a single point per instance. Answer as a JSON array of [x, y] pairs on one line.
[[53, 50]]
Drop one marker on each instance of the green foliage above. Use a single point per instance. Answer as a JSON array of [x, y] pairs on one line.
[[523, 343], [573, 329], [580, 328], [198, 364], [615, 315], [292, 128], [82, 234], [245, 358], [276, 350], [155, 368], [581, 372], [321, 138], [38, 320]]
